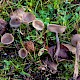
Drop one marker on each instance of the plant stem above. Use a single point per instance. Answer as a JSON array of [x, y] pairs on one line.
[[20, 39], [31, 56]]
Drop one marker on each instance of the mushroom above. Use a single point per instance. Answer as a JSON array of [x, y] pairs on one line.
[[28, 18], [57, 29], [17, 13], [16, 17], [23, 53], [3, 23], [38, 24], [7, 38], [15, 22], [76, 42]]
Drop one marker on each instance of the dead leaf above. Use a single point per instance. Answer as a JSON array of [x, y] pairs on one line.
[[29, 45], [51, 51], [52, 65], [71, 48], [63, 54]]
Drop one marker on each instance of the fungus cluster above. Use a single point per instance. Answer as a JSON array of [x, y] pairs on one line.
[[20, 16]]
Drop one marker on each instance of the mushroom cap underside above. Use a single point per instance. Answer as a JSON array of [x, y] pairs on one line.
[[56, 28]]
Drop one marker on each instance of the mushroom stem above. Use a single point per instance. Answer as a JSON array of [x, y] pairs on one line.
[[76, 66], [58, 45]]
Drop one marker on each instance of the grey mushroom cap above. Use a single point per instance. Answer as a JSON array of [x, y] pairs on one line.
[[75, 39], [7, 38], [38, 24], [28, 17], [17, 13], [23, 53], [56, 28], [15, 22]]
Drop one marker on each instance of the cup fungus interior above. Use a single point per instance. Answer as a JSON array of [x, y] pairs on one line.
[[7, 38], [23, 53], [15, 21], [38, 24]]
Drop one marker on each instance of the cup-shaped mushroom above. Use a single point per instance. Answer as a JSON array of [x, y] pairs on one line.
[[28, 17], [57, 29], [7, 38], [76, 42], [19, 13], [15, 22], [23, 53], [38, 24]]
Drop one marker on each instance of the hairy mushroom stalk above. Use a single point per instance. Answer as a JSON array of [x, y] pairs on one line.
[[76, 42]]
